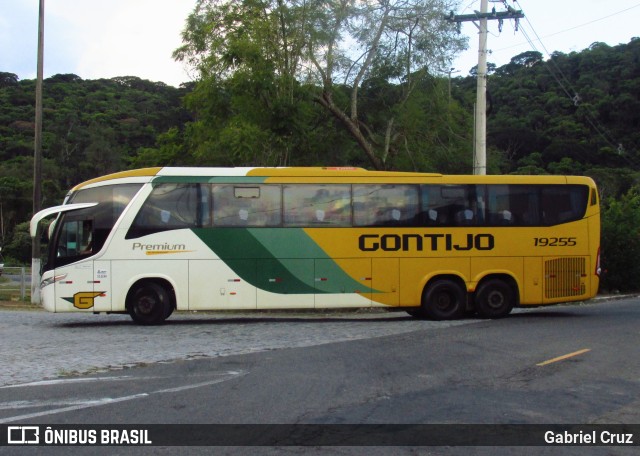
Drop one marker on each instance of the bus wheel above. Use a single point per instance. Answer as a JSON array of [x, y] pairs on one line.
[[494, 299], [444, 299], [149, 304]]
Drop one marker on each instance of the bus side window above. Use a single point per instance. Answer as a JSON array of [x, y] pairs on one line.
[[246, 205], [75, 239], [452, 205], [499, 211], [317, 205], [563, 203], [168, 207], [363, 206], [204, 206], [512, 205], [432, 213], [386, 205]]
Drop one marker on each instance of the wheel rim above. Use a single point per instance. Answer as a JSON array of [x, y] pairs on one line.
[[445, 301], [146, 304], [495, 300]]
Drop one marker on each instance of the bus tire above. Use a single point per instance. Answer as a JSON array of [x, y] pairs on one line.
[[444, 299], [495, 298], [149, 304]]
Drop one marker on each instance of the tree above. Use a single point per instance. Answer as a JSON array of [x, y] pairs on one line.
[[8, 79], [621, 242], [333, 46], [392, 39], [248, 101]]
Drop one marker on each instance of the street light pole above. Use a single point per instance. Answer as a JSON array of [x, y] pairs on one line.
[[37, 161]]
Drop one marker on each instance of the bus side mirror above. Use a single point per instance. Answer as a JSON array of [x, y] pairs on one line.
[[48, 233]]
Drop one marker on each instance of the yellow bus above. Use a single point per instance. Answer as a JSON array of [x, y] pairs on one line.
[[150, 241]]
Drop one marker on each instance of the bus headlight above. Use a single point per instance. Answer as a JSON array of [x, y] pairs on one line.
[[51, 280]]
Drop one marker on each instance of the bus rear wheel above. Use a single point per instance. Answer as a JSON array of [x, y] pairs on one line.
[[444, 299], [149, 304], [494, 299]]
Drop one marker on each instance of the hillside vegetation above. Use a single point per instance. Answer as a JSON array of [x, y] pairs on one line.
[[576, 113]]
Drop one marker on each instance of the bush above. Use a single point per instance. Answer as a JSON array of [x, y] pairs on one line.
[[620, 243], [17, 250]]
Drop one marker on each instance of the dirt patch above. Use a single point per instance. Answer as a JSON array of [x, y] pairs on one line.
[[19, 305]]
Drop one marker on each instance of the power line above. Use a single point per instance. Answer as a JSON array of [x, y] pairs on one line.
[[571, 28], [572, 93]]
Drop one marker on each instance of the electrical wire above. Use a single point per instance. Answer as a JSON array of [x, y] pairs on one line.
[[568, 88], [587, 23]]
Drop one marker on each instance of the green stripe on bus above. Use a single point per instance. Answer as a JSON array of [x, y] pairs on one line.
[[285, 266]]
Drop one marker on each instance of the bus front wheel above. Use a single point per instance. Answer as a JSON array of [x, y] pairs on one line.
[[494, 299], [149, 304], [444, 299]]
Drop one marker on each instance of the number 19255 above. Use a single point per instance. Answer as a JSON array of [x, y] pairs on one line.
[[554, 242]]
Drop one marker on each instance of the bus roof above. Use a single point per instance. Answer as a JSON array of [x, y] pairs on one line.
[[317, 174]]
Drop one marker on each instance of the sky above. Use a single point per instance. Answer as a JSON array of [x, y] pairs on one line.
[[551, 25], [107, 38]]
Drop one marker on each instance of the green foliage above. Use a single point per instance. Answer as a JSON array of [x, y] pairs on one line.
[[169, 151], [265, 71], [620, 245], [90, 128], [576, 112], [17, 247], [263, 61], [16, 193], [431, 131]]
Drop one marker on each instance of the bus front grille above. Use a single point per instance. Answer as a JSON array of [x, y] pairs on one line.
[[564, 277]]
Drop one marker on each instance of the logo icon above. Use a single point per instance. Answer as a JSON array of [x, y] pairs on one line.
[[84, 299], [23, 435]]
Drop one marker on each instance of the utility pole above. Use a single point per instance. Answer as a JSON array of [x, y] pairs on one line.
[[480, 141], [37, 161], [480, 127]]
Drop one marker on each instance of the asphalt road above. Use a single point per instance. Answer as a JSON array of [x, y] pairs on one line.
[[565, 364]]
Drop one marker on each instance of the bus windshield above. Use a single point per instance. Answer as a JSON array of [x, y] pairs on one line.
[[83, 232]]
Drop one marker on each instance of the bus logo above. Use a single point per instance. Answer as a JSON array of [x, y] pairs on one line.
[[84, 299], [421, 242], [160, 249]]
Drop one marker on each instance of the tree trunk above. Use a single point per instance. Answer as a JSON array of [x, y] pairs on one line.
[[326, 100]]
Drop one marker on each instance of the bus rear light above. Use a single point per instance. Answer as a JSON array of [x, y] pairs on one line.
[[598, 267]]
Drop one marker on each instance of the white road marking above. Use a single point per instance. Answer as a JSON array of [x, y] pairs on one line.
[[106, 401], [62, 381]]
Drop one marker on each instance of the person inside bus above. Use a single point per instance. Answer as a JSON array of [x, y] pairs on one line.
[[464, 217], [87, 239]]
